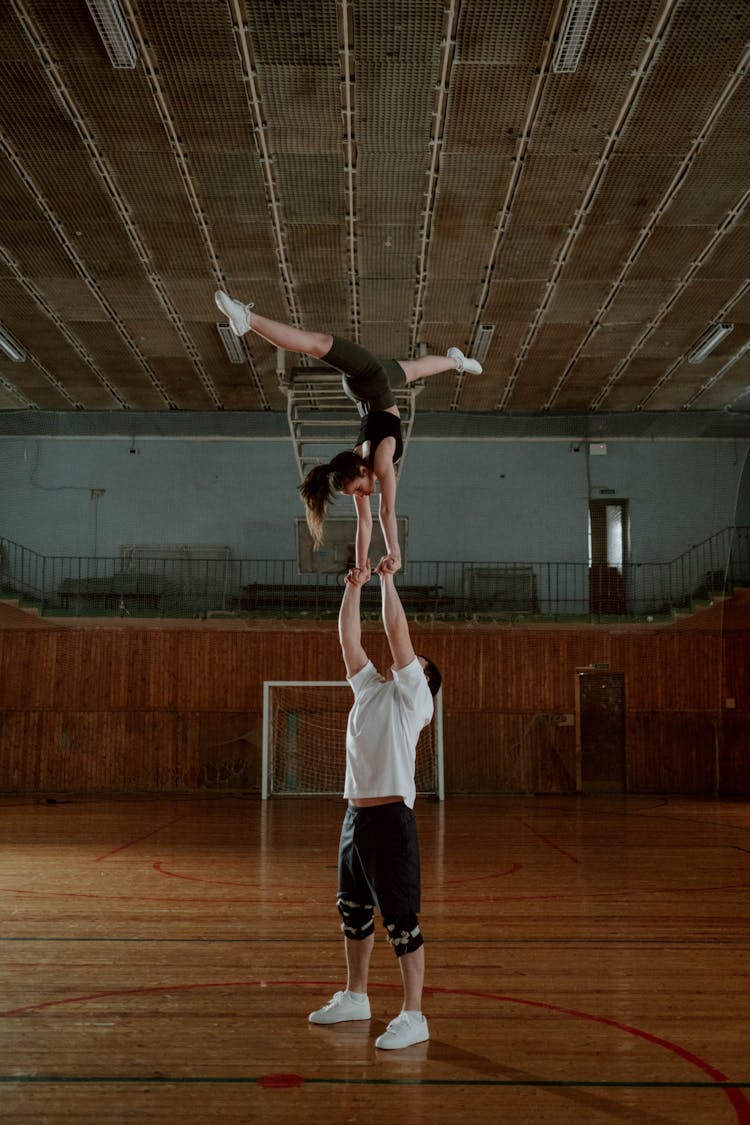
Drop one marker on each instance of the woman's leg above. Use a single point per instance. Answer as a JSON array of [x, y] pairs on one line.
[[276, 332], [427, 365], [292, 339]]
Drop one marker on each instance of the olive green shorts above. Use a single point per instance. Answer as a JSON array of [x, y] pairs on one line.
[[367, 380]]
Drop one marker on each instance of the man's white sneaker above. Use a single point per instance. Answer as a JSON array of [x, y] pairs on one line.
[[342, 1007], [466, 366], [238, 314], [405, 1030]]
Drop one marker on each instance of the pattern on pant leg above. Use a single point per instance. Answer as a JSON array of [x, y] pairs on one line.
[[404, 934], [357, 921]]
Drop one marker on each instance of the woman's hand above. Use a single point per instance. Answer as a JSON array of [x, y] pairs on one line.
[[358, 575], [389, 564]]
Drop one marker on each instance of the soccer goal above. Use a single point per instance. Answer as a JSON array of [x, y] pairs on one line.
[[304, 740]]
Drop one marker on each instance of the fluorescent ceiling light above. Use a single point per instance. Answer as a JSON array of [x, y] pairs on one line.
[[575, 31], [11, 348], [482, 342], [712, 338], [111, 25], [720, 373], [231, 344]]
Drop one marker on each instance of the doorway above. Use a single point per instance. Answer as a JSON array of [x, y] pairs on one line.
[[608, 556], [601, 732]]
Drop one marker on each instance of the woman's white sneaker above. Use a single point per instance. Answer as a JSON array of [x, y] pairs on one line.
[[405, 1030], [465, 365], [238, 314], [342, 1007]]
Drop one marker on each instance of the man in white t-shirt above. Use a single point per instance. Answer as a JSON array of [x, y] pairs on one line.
[[378, 850]]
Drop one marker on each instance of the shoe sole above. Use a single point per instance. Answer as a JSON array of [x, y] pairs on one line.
[[239, 330], [400, 1046], [346, 1019]]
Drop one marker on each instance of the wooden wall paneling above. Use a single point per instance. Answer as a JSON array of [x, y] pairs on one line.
[[639, 658], [91, 751], [737, 670], [556, 754], [471, 665], [488, 753], [158, 678], [58, 750], [26, 669], [226, 749], [498, 752], [693, 672], [163, 699], [21, 741], [672, 752], [670, 670], [66, 685], [734, 760]]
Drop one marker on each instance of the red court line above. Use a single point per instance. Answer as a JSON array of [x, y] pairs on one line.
[[161, 870], [138, 839], [152, 898], [546, 840], [737, 1098]]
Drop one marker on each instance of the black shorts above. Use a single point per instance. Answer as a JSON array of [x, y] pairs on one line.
[[379, 859], [367, 379]]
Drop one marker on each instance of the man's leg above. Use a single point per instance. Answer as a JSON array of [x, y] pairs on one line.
[[409, 1026], [412, 976], [357, 914], [358, 955]]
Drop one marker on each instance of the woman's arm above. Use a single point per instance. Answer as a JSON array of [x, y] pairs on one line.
[[364, 530], [386, 474]]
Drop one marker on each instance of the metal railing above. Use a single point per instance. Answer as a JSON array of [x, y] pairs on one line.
[[170, 587]]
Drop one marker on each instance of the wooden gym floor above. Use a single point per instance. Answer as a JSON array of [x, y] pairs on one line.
[[587, 962]]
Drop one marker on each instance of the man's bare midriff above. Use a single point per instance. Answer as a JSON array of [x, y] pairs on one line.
[[368, 802]]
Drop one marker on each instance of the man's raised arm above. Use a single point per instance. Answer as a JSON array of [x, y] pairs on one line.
[[394, 619], [350, 625]]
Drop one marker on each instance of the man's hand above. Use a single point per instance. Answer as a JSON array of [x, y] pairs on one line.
[[358, 575]]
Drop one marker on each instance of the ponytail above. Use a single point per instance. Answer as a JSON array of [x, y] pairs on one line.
[[319, 486], [316, 491]]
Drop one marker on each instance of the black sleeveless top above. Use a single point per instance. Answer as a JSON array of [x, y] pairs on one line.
[[377, 425]]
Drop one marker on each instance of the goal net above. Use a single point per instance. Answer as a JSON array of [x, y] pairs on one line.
[[304, 740]]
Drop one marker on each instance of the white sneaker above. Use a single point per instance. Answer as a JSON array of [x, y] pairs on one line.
[[238, 314], [405, 1030], [342, 1007], [466, 366]]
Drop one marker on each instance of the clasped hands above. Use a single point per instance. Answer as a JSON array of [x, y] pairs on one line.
[[359, 575]]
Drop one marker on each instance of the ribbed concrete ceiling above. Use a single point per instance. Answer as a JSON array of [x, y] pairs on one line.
[[400, 171]]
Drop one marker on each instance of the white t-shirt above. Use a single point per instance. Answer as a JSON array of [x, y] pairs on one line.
[[383, 730]]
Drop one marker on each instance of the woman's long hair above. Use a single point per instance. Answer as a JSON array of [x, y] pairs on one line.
[[319, 486]]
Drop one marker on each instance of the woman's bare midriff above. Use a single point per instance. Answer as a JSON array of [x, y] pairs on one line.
[[369, 802]]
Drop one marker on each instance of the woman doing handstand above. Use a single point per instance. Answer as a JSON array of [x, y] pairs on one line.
[[369, 381]]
